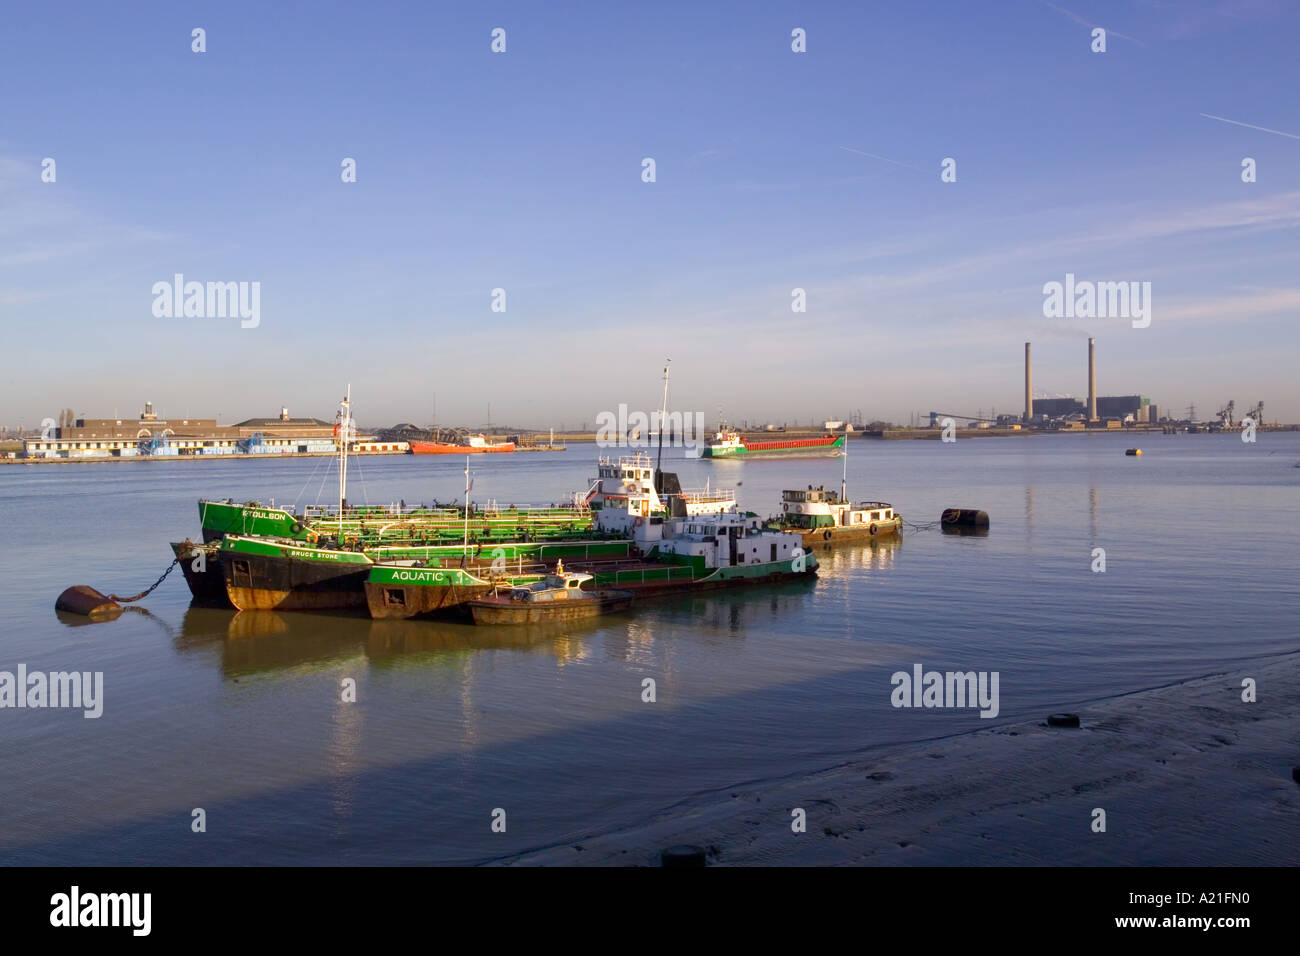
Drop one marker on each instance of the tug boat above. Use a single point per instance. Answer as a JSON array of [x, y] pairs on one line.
[[475, 445], [556, 597], [820, 517], [730, 443]]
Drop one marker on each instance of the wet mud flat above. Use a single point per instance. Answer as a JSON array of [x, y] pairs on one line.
[[1186, 774]]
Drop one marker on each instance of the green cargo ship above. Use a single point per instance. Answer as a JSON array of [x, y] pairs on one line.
[[729, 443]]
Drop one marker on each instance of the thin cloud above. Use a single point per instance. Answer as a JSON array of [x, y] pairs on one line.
[[1087, 23]]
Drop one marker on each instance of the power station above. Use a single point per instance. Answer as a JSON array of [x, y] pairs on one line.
[[1097, 409]]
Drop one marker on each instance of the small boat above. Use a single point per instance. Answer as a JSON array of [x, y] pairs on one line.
[[475, 444], [823, 517], [556, 597]]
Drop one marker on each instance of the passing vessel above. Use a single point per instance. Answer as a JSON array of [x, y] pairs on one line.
[[730, 443], [476, 444], [556, 597]]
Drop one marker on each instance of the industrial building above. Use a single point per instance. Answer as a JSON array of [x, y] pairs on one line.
[[1097, 408]]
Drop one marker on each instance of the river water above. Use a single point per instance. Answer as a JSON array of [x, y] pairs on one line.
[[242, 716]]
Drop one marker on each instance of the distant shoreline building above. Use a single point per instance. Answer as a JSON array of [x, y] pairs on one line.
[[150, 435]]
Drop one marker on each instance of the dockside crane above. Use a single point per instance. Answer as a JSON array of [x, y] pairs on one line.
[[1256, 414], [1225, 414], [935, 416]]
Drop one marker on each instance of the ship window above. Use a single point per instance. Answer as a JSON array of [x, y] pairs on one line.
[[875, 515], [774, 551], [395, 597]]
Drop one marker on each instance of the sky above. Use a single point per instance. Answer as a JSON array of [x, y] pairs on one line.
[[522, 170]]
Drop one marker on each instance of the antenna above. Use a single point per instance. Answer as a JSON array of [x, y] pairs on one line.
[[343, 429]]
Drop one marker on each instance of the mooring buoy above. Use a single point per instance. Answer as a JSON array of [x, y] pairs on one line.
[[964, 518], [1133, 451], [1063, 720], [683, 855], [82, 599]]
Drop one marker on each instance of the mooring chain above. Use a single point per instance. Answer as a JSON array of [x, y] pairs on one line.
[[921, 527], [135, 597]]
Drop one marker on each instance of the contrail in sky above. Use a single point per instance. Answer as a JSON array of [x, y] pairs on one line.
[[1265, 129], [885, 158]]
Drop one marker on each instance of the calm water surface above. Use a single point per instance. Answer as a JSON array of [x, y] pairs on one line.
[[240, 714]]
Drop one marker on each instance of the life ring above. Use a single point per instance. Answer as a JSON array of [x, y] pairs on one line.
[[785, 506], [872, 528], [633, 488], [296, 527], [638, 522], [826, 535]]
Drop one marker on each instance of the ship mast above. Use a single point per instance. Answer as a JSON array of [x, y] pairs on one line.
[[465, 547], [344, 429], [844, 478], [659, 482]]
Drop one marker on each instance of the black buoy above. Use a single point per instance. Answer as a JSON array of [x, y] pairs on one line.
[[82, 599], [964, 518], [683, 855], [1063, 720]]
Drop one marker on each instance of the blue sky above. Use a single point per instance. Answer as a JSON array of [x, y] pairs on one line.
[[522, 171]]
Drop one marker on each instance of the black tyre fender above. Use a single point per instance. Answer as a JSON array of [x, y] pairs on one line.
[[1063, 720]]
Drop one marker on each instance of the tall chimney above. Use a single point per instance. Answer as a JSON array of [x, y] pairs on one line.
[[1029, 386], [1092, 380]]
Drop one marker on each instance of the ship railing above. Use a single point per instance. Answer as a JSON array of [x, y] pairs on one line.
[[639, 460], [707, 497]]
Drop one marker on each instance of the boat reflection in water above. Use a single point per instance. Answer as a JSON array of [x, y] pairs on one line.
[[252, 642], [875, 554]]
